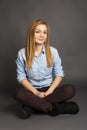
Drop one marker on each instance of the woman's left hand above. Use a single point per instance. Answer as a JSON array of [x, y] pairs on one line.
[[41, 94], [47, 92]]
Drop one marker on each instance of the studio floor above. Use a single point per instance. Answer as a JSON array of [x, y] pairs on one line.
[[9, 119]]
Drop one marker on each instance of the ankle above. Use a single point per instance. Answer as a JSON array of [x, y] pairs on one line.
[[55, 109], [64, 108]]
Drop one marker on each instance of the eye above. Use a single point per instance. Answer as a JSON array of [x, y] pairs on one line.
[[37, 31], [45, 32]]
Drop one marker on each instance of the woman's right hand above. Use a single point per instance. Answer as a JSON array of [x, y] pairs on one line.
[[40, 94], [29, 87]]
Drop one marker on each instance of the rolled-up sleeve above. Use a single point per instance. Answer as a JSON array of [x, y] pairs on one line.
[[20, 67], [57, 67]]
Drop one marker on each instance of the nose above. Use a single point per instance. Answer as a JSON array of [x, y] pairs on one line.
[[41, 34]]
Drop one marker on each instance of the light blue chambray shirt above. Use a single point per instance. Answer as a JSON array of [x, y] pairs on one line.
[[40, 75]]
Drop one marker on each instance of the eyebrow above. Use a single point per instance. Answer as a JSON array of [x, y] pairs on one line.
[[40, 30]]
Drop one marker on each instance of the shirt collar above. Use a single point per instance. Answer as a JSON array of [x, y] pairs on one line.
[[43, 49]]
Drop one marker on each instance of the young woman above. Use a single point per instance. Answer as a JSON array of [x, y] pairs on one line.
[[39, 73]]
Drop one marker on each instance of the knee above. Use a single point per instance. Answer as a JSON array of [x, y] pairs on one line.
[[70, 90], [17, 95]]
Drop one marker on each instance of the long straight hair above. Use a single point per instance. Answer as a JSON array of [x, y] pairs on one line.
[[30, 44]]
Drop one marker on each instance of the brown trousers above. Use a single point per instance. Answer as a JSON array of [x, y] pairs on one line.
[[60, 94]]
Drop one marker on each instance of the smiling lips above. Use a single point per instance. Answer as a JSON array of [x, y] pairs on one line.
[[41, 39]]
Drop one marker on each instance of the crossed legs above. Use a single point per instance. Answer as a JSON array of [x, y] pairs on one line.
[[59, 95]]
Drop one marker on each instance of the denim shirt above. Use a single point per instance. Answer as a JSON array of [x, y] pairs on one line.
[[40, 75]]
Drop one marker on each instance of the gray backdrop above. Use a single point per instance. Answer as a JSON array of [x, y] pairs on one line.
[[68, 24]]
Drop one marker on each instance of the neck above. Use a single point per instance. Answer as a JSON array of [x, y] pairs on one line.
[[38, 49]]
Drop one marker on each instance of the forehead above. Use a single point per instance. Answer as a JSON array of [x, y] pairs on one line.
[[41, 27]]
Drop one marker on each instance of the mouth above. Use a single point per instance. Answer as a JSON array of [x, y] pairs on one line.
[[41, 39]]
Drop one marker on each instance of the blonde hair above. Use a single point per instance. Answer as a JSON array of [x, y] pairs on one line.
[[30, 44]]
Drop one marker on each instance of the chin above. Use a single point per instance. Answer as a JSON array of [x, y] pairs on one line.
[[40, 43]]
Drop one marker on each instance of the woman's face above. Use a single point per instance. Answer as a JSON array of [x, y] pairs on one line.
[[40, 34]]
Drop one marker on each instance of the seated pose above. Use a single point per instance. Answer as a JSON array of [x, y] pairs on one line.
[[39, 74]]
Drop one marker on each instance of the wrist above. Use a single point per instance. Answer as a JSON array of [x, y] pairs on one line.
[[48, 92], [35, 92]]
